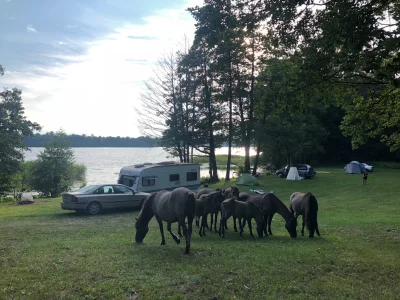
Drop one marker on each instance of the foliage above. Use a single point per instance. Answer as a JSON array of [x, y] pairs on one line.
[[14, 127], [374, 116], [79, 172], [360, 242], [352, 46], [53, 172]]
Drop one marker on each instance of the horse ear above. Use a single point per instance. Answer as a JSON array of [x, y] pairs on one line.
[[136, 219]]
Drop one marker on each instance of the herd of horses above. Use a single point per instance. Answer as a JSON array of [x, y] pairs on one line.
[[183, 206]]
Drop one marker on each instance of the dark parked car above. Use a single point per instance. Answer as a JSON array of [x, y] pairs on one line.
[[304, 170]]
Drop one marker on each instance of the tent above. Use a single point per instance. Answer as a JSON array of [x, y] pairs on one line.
[[247, 179], [353, 168], [293, 174]]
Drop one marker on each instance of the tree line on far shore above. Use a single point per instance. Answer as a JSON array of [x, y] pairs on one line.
[[76, 140]]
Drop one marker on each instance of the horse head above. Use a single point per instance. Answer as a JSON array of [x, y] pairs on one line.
[[291, 226], [141, 231], [235, 192]]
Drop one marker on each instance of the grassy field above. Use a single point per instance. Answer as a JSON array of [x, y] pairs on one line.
[[47, 253]]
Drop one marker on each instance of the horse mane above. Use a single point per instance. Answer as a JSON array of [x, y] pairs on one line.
[[144, 211]]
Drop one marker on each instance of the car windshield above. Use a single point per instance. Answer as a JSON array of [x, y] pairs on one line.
[[85, 189]]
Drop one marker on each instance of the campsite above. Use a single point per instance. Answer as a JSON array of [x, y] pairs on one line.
[[50, 253]]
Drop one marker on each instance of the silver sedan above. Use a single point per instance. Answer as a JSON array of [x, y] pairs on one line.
[[95, 198]]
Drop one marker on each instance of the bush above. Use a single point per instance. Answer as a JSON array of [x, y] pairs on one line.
[[79, 172]]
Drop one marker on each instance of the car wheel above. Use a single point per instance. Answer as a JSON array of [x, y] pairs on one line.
[[280, 175], [93, 208]]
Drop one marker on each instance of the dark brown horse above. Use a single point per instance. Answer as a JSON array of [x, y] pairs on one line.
[[207, 204], [205, 191], [243, 196], [305, 204], [269, 204], [169, 207], [241, 210], [230, 192]]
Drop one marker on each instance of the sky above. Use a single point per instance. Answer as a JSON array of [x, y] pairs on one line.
[[81, 64]]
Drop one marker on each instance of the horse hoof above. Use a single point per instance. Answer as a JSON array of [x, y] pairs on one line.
[[178, 241], [162, 243], [236, 230]]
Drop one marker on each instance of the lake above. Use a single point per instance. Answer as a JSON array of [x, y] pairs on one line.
[[103, 164]]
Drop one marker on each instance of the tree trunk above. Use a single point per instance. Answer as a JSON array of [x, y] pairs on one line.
[[230, 126], [251, 109], [259, 140]]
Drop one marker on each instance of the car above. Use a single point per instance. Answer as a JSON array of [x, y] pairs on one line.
[[93, 199], [304, 170], [364, 165]]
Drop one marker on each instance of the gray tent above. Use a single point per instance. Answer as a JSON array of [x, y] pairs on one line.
[[353, 168]]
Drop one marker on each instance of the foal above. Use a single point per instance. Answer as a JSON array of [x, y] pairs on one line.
[[241, 210], [206, 204]]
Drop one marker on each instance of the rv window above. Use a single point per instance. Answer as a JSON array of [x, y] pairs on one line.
[[191, 176], [148, 181], [173, 177]]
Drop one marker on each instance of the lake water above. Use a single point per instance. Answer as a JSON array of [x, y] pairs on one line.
[[103, 164]]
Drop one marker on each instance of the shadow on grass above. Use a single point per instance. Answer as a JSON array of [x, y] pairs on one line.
[[106, 212]]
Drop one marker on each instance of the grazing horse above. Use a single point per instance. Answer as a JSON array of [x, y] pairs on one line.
[[269, 204], [243, 196], [169, 207], [205, 205], [241, 210], [306, 204], [230, 192]]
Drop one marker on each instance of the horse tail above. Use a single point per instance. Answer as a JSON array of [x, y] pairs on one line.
[[311, 210], [191, 205]]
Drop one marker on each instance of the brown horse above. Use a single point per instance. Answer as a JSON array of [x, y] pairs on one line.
[[305, 204], [269, 204], [207, 204], [241, 210], [169, 207], [230, 192], [243, 196]]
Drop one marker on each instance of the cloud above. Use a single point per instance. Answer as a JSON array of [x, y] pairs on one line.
[[96, 91], [135, 37], [30, 28]]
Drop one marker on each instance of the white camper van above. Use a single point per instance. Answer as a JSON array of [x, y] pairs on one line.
[[167, 175]]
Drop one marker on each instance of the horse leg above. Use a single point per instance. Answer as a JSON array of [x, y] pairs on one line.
[[216, 220], [316, 229], [197, 221], [206, 224], [269, 224], [186, 234], [204, 221], [200, 227], [242, 226], [226, 227], [234, 224], [250, 228], [160, 223], [266, 224], [190, 224], [176, 239], [179, 229], [212, 221], [302, 229]]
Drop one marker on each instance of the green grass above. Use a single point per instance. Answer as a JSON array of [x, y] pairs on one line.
[[47, 253], [222, 159]]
